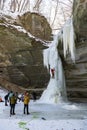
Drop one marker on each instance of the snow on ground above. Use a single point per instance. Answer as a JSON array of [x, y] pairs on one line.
[[62, 116]]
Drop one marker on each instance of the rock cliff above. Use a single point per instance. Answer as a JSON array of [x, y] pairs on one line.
[[21, 60], [76, 74]]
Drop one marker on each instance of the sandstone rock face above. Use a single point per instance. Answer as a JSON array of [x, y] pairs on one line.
[[21, 59], [36, 25], [76, 74], [80, 18]]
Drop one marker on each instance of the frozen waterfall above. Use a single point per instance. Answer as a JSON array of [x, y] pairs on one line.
[[56, 89]]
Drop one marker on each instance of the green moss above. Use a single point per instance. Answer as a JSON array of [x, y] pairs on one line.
[[22, 125]]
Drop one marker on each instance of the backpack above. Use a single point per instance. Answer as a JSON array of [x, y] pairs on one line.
[[12, 100]]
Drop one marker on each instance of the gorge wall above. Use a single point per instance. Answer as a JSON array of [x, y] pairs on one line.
[[21, 59], [76, 74]]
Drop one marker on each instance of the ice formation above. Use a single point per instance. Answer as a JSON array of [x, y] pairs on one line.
[[68, 39], [56, 90]]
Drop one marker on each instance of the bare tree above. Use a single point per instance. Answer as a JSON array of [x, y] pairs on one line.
[[2, 4], [37, 5], [61, 7], [23, 5], [55, 13], [13, 5], [19, 6]]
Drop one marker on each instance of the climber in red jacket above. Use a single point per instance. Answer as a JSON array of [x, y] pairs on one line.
[[52, 72]]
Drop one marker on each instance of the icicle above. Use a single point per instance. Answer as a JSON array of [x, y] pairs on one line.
[[72, 43], [66, 32], [46, 58], [68, 40]]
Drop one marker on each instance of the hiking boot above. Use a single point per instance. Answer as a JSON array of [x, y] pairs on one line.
[[28, 113], [13, 113]]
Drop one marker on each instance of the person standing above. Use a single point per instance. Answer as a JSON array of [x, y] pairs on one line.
[[34, 96], [6, 99], [12, 104], [26, 103], [16, 95], [10, 94]]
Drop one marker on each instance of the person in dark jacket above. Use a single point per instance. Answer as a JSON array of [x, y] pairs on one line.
[[34, 96], [6, 99]]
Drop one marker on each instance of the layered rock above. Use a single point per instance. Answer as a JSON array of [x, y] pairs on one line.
[[80, 19], [21, 59], [76, 74], [36, 25]]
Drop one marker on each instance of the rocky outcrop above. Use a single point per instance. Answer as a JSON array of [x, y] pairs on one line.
[[76, 74], [36, 25], [80, 19], [21, 61]]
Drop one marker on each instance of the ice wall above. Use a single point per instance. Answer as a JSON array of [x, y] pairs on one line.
[[56, 89]]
